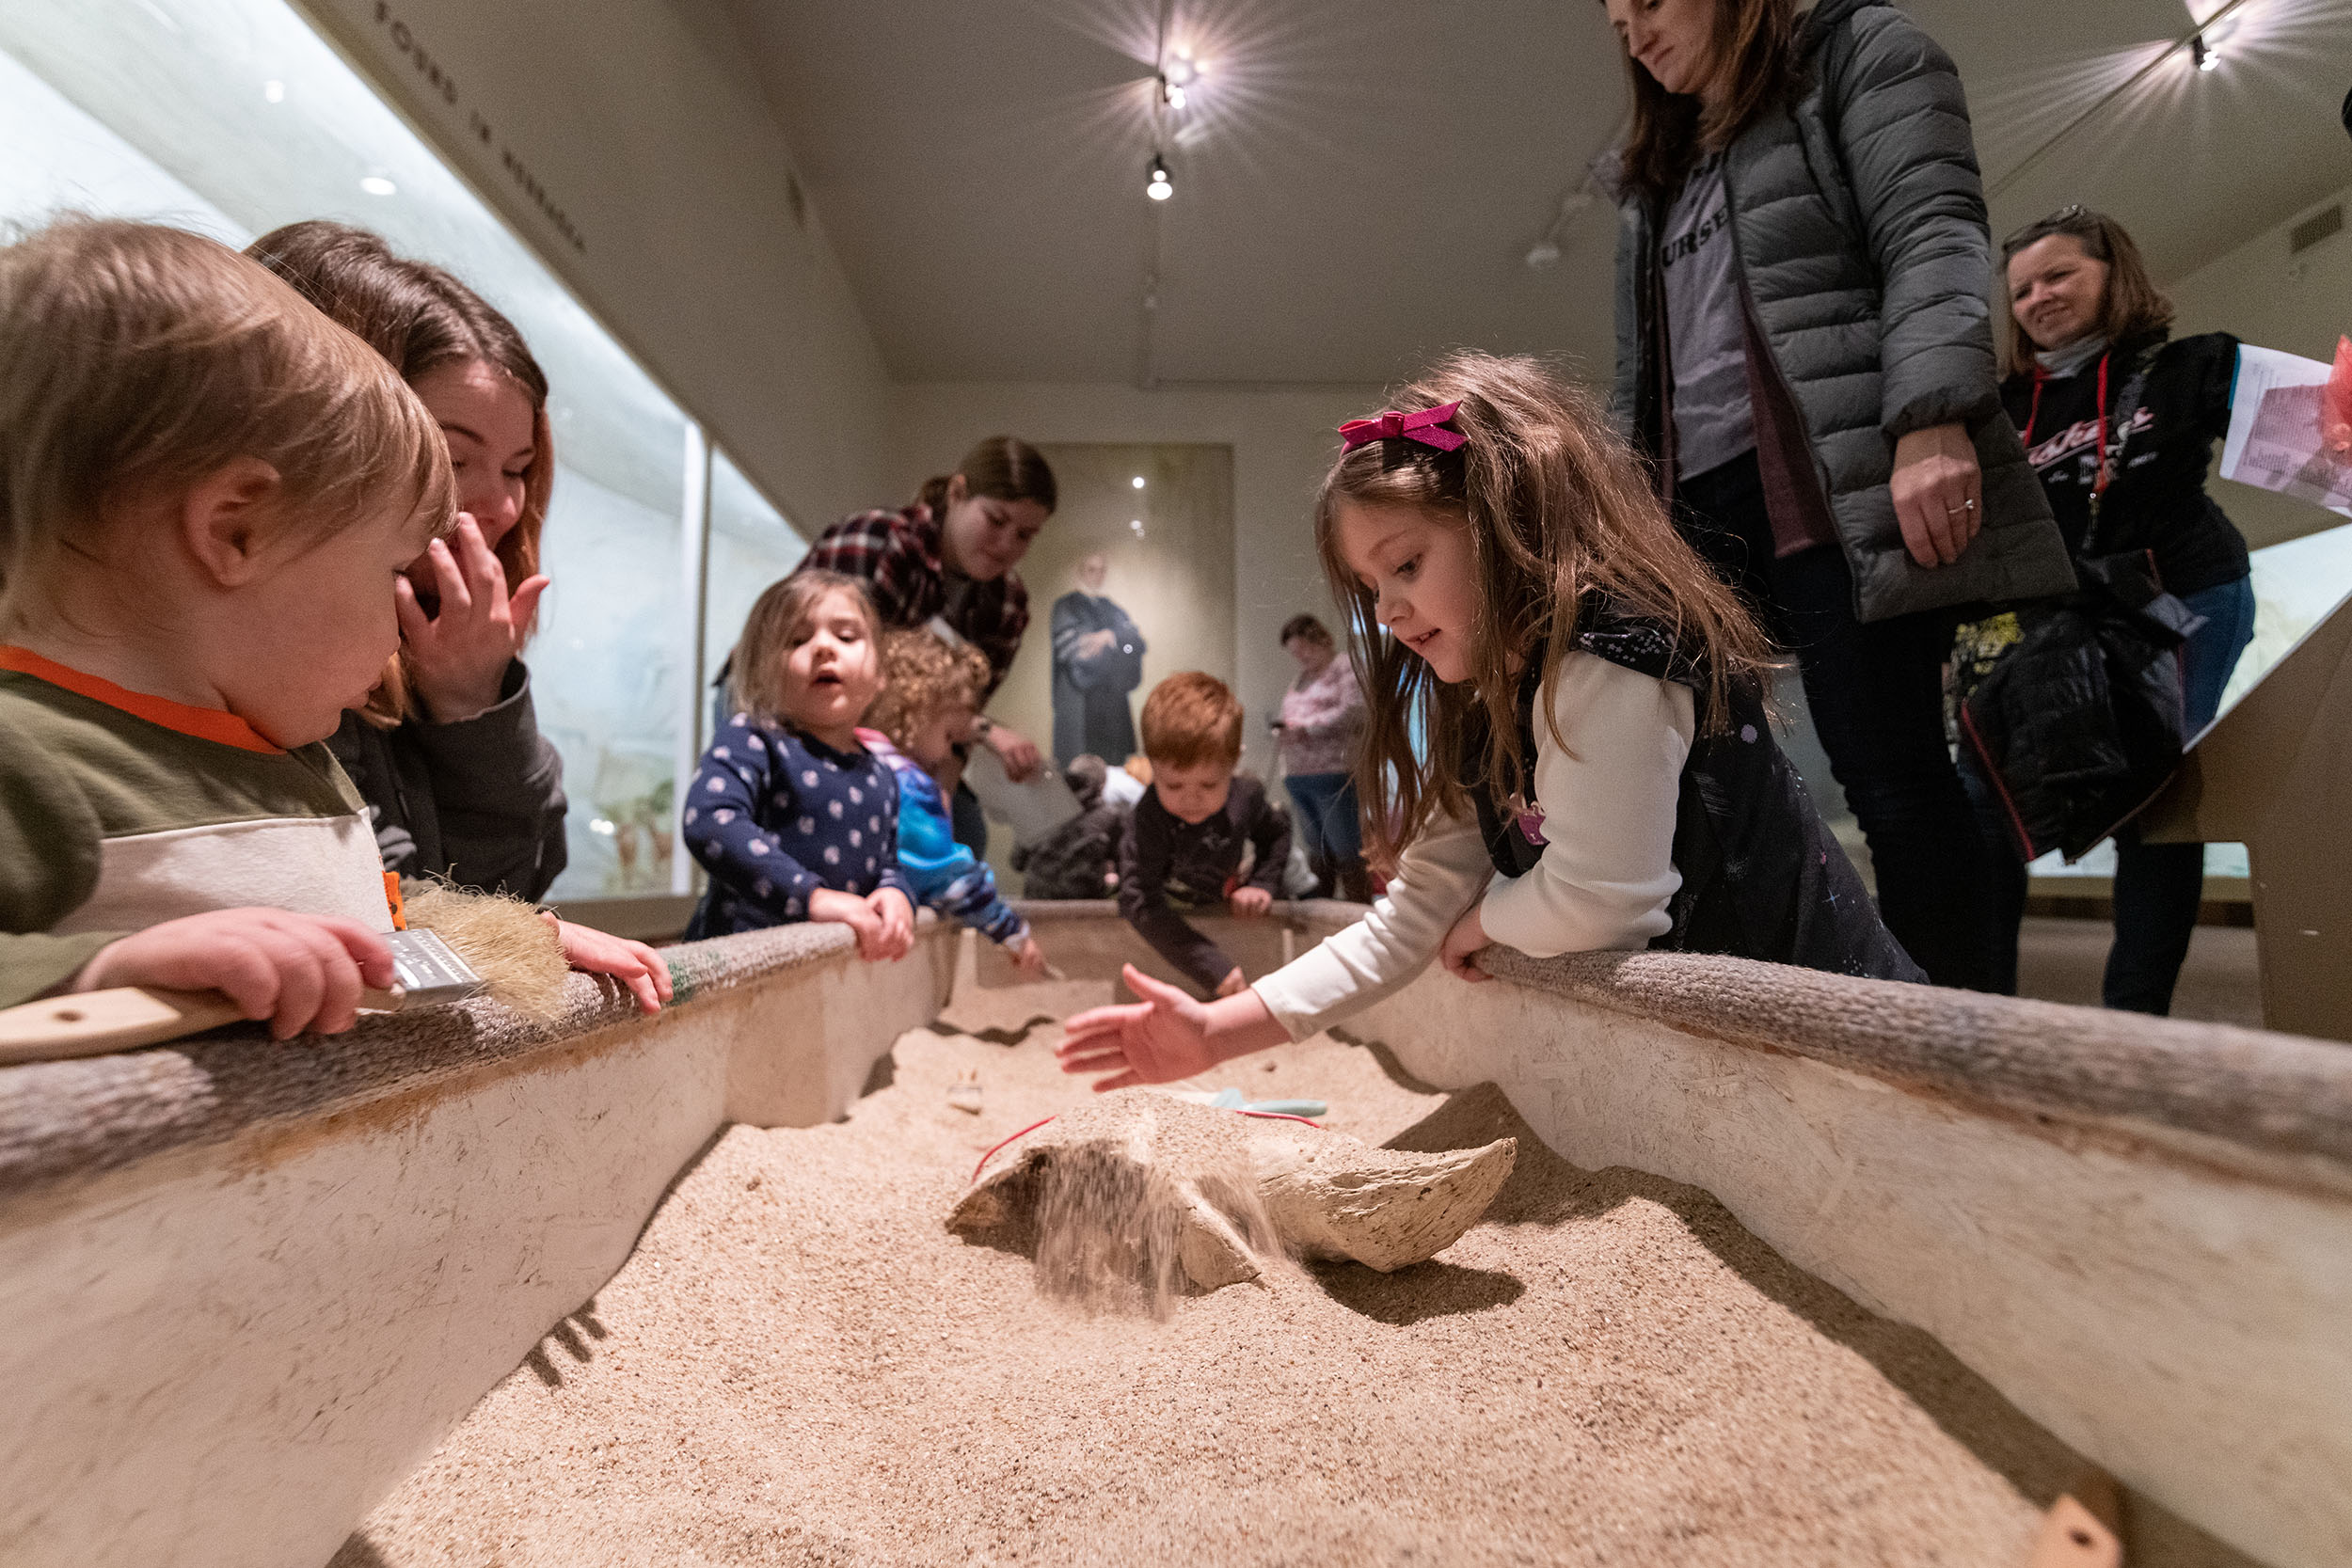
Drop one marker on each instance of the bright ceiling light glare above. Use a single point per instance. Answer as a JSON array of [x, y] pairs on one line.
[[1181, 72], [1173, 94], [377, 184], [2207, 56], [1156, 183], [274, 91], [1138, 482]]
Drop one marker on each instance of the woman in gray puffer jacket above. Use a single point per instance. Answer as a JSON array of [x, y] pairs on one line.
[[1805, 351]]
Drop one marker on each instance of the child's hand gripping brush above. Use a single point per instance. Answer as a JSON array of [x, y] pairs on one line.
[[459, 946]]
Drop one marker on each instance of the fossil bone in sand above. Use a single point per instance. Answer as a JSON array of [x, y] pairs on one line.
[[1140, 1192]]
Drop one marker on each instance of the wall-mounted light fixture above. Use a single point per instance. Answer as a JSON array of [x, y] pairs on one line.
[[1156, 185], [2207, 55]]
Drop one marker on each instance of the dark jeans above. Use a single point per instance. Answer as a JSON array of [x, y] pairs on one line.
[[1877, 698], [2158, 887], [1327, 814]]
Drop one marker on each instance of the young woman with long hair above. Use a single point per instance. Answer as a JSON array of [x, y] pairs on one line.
[[448, 749]]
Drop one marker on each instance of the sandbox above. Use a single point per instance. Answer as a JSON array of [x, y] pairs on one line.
[[388, 1302]]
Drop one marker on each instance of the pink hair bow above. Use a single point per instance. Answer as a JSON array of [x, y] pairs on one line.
[[1426, 425]]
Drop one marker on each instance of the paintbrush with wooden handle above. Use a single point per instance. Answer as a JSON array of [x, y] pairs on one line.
[[426, 970]]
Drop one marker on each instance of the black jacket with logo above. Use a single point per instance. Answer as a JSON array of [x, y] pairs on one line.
[[2155, 499]]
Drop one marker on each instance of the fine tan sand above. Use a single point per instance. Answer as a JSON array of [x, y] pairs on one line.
[[801, 1366]]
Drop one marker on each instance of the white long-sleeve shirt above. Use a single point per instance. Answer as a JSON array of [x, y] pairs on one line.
[[1606, 872]]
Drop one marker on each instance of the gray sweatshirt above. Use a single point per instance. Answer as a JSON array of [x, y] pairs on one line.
[[479, 802]]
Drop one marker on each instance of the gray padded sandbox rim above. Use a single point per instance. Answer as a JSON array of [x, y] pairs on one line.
[[2274, 1095], [2279, 1095], [79, 1118]]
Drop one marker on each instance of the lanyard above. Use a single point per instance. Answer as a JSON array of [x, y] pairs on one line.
[[2033, 417]]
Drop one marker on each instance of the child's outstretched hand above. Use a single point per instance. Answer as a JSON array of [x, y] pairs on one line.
[[300, 971], [895, 912], [634, 965], [1027, 956], [1250, 902], [1157, 1040]]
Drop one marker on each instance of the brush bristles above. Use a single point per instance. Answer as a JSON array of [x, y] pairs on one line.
[[517, 955]]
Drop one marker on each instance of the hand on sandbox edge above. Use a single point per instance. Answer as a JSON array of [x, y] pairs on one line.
[[1028, 958], [1166, 1036], [301, 973], [635, 965], [882, 921]]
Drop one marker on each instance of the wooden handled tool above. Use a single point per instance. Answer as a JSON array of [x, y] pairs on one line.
[[122, 1019], [128, 1017], [2083, 1529]]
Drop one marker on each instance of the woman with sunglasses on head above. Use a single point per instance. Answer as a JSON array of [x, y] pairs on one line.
[[2119, 419], [1804, 352]]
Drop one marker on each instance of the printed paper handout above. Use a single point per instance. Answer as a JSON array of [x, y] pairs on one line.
[[2278, 430]]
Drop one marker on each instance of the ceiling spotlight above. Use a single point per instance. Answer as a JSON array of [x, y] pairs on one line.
[[377, 184], [1172, 95], [1543, 253], [1138, 482], [274, 91], [1181, 72], [2208, 56], [1156, 185]]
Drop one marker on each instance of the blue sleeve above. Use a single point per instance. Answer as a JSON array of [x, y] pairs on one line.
[[892, 874], [723, 831], [943, 873]]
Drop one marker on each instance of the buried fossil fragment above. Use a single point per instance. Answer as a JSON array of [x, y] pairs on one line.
[[1139, 1194]]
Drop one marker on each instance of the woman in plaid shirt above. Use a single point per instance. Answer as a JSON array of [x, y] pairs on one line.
[[946, 561]]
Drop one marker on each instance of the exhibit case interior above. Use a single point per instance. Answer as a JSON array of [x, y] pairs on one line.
[[232, 118]]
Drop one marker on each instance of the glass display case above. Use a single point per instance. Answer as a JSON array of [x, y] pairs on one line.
[[234, 116]]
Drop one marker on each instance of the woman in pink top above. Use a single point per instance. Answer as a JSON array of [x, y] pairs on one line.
[[1316, 734]]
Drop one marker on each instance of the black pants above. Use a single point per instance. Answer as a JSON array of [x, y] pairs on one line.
[[1877, 698], [968, 822]]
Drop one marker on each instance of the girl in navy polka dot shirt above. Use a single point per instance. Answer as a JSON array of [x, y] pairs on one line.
[[792, 817]]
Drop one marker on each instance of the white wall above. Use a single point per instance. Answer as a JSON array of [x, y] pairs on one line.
[[1282, 441], [660, 155], [2297, 304]]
